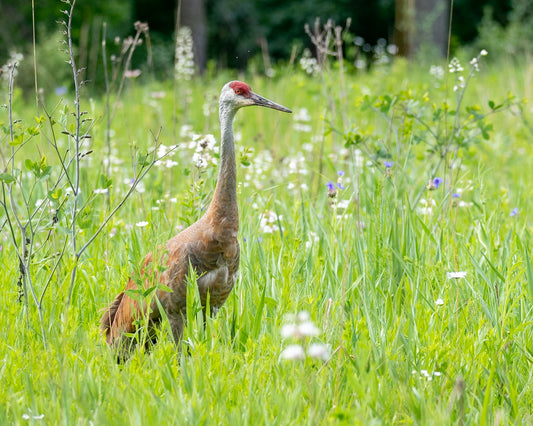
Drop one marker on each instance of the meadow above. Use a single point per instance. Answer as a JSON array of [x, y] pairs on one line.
[[385, 272]]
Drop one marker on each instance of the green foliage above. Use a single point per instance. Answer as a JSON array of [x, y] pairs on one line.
[[512, 40], [368, 261]]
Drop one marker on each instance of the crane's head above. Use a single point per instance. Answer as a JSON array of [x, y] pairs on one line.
[[237, 94]]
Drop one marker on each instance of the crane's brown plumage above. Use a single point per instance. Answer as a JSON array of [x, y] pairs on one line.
[[209, 246]]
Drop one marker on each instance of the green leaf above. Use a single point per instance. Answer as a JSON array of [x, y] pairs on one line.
[[55, 195], [17, 140], [7, 178], [142, 160], [105, 182], [30, 165], [491, 104], [163, 287], [134, 294], [147, 292], [32, 131]]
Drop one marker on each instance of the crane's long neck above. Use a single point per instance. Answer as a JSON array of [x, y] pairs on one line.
[[223, 208]]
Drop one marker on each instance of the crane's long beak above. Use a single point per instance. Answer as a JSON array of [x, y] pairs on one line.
[[260, 101]]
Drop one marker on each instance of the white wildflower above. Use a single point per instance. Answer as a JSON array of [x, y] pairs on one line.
[[308, 329], [141, 224], [303, 316], [460, 83], [439, 302], [170, 163], [140, 188], [199, 160], [475, 63], [429, 376], [437, 71], [483, 52], [451, 275], [342, 204], [186, 131], [32, 417], [293, 352], [319, 351], [101, 190], [309, 147], [308, 63], [184, 56], [288, 330], [300, 127], [269, 222], [11, 65], [302, 114], [455, 66]]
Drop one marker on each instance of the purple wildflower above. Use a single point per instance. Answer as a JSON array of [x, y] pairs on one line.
[[514, 212], [340, 173], [456, 195], [339, 185], [61, 90], [388, 164], [330, 185], [437, 181]]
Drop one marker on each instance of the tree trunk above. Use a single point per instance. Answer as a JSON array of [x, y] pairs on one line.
[[421, 24], [193, 16], [404, 26]]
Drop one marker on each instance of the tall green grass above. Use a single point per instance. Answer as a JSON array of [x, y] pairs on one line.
[[408, 344]]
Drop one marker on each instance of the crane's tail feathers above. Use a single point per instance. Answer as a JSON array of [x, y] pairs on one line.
[[106, 322]]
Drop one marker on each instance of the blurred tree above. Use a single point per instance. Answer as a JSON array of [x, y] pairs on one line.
[[232, 31], [193, 15], [163, 25], [421, 24], [236, 27]]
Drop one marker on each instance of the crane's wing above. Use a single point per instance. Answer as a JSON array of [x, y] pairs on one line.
[[120, 316]]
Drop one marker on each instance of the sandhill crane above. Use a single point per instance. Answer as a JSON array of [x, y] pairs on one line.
[[209, 245]]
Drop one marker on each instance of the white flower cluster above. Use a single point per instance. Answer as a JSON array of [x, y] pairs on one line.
[[475, 61], [270, 222], [300, 328], [210, 105], [313, 238], [205, 147], [429, 376], [255, 173], [437, 71], [184, 54], [164, 151], [461, 83], [308, 63], [426, 207], [301, 118], [296, 165], [455, 66], [455, 275], [11, 65]]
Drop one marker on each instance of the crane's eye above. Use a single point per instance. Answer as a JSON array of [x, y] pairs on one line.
[[238, 91]]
